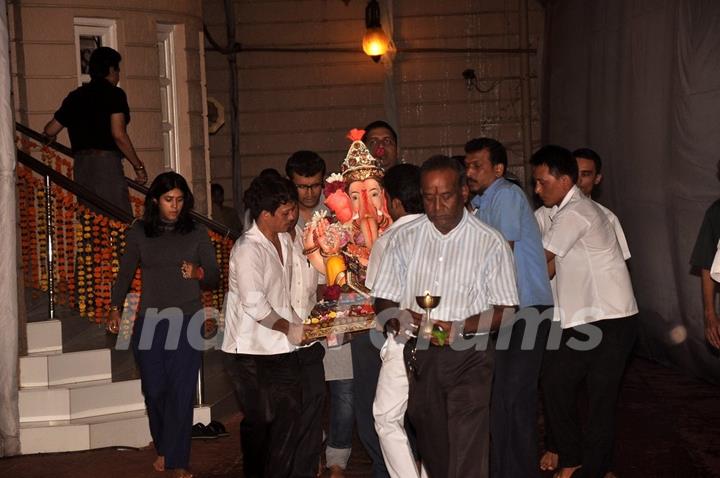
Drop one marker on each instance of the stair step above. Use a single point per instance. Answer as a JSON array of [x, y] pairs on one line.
[[79, 400], [44, 337], [65, 368], [120, 429]]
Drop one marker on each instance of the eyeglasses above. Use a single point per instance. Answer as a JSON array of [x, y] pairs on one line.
[[308, 187], [387, 141]]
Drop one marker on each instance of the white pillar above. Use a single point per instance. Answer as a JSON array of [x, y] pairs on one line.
[[9, 418]]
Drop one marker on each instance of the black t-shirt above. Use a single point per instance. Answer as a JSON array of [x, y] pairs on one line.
[[707, 241], [86, 112]]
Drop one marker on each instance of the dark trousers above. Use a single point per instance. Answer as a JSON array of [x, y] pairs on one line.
[[168, 376], [513, 409], [307, 455], [281, 397], [102, 173], [366, 370], [449, 406], [601, 369]]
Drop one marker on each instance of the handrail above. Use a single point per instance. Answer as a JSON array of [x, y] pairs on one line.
[[77, 189], [93, 198]]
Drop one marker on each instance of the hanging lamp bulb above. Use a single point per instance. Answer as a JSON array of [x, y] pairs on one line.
[[375, 41]]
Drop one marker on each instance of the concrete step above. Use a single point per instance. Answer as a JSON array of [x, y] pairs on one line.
[[65, 368], [79, 400], [44, 337], [128, 429]]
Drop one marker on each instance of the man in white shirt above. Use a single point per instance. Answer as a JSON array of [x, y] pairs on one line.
[[451, 254], [306, 169], [589, 178], [402, 191], [278, 385], [597, 308]]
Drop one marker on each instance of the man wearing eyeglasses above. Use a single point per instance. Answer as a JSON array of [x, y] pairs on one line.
[[306, 169], [381, 139]]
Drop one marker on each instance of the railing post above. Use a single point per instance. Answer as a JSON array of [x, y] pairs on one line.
[[49, 227]]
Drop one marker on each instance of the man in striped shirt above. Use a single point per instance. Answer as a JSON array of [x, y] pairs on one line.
[[451, 254]]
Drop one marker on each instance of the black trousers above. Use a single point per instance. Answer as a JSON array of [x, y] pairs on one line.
[[281, 397], [601, 369], [168, 376], [449, 406], [366, 370], [102, 173], [514, 405]]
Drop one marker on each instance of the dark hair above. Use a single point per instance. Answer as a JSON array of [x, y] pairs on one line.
[[215, 188], [379, 124], [161, 184], [559, 161], [441, 162], [402, 182], [587, 153], [498, 154], [101, 60], [270, 172], [305, 163], [267, 193], [460, 158]]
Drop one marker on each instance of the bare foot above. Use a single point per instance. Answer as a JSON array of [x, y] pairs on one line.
[[548, 461], [565, 472], [336, 472], [182, 473], [159, 464]]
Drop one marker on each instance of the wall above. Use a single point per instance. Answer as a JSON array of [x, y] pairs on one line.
[[44, 71], [291, 101]]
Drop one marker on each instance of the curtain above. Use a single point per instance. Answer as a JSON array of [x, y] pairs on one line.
[[638, 81]]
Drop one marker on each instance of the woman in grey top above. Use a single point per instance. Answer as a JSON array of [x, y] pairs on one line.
[[176, 258]]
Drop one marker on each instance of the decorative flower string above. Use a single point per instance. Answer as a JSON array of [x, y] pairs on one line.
[[87, 245]]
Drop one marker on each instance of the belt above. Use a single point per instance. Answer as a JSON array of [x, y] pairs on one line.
[[97, 151]]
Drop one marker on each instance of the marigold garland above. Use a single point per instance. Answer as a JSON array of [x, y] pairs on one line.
[[87, 245]]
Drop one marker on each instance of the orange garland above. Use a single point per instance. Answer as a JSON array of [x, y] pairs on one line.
[[87, 245]]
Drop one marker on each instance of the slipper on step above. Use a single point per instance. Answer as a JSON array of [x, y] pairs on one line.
[[201, 432], [217, 428]]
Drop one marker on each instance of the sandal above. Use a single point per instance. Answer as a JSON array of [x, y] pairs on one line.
[[217, 428], [201, 432]]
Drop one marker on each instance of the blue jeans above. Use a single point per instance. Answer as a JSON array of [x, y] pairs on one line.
[[342, 416]]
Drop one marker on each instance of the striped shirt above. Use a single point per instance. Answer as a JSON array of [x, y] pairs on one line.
[[471, 268]]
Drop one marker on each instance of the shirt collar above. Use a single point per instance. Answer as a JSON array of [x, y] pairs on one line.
[[440, 235], [403, 220], [481, 200], [568, 197]]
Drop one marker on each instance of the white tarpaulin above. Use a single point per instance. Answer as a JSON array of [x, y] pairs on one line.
[[9, 424], [639, 82]]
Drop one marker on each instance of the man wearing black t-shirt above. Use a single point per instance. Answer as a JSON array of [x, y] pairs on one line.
[[96, 116]]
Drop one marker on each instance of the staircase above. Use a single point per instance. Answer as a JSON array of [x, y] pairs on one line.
[[68, 401]]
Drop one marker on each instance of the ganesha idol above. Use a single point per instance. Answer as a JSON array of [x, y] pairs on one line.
[[339, 244]]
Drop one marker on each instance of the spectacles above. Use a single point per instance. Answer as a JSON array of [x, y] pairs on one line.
[[308, 187], [387, 141]]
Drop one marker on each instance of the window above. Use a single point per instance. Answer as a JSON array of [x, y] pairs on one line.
[[91, 33], [168, 95]]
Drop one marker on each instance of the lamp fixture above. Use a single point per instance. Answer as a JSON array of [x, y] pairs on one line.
[[471, 82], [375, 41]]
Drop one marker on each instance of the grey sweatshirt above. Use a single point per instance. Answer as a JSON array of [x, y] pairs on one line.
[[160, 259]]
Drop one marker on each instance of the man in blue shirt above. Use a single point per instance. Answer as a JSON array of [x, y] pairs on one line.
[[503, 205]]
